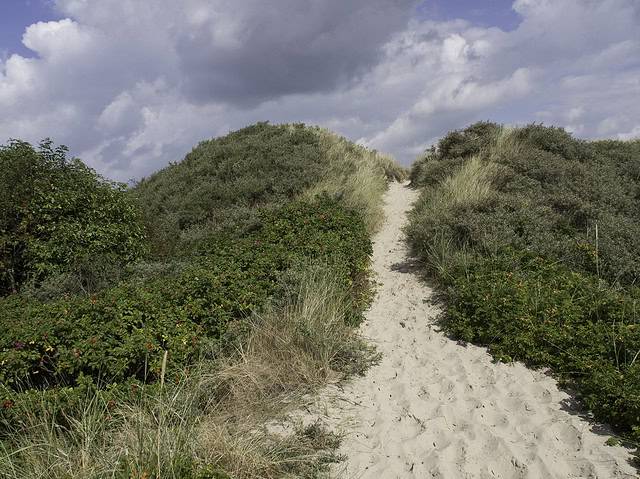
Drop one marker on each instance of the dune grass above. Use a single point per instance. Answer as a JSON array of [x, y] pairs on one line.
[[355, 174], [212, 420], [470, 185], [222, 184], [258, 245]]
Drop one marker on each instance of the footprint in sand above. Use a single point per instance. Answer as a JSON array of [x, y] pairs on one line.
[[436, 409]]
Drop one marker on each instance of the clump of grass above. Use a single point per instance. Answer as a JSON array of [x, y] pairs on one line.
[[356, 175], [259, 454], [211, 422], [470, 185], [300, 344], [48, 447], [505, 145]]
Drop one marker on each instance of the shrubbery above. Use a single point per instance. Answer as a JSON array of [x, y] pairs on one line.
[[206, 421], [549, 193], [534, 310], [222, 183], [59, 218], [535, 238], [218, 271], [119, 333]]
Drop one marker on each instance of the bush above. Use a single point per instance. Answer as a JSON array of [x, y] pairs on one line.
[[58, 217], [238, 233], [469, 141], [222, 182], [533, 310], [207, 421], [534, 237], [355, 175], [221, 186], [119, 333], [549, 194]]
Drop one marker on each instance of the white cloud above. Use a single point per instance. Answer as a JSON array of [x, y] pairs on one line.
[[57, 41], [130, 85], [455, 51]]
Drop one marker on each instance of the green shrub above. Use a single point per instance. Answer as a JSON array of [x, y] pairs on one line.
[[547, 198], [430, 169], [119, 333], [529, 309], [540, 261], [270, 222], [468, 142], [222, 182], [58, 217]]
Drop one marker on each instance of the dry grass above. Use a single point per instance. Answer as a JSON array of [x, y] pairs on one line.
[[212, 422], [214, 418], [470, 185], [260, 454], [505, 145], [357, 175], [302, 342]]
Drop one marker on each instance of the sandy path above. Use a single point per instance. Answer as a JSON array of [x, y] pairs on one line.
[[433, 408]]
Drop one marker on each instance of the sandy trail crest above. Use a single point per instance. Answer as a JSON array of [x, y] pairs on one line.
[[434, 408]]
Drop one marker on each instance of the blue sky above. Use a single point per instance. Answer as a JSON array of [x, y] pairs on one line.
[[130, 85], [15, 16]]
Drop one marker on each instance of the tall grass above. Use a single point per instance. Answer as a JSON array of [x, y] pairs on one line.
[[470, 185], [505, 145], [357, 175], [212, 420]]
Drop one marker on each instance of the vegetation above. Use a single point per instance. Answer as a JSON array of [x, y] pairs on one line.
[[534, 237], [230, 286], [355, 175], [207, 421], [223, 184], [60, 222]]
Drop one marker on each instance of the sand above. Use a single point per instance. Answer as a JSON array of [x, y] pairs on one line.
[[436, 408]]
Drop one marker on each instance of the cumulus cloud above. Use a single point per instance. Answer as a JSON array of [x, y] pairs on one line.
[[130, 85], [246, 52], [253, 50]]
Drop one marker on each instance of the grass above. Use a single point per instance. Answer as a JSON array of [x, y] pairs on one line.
[[213, 417], [470, 185], [355, 174], [533, 238]]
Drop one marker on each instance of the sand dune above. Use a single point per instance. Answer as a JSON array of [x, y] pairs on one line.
[[435, 408]]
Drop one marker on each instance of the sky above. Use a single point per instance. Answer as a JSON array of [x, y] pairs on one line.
[[131, 85]]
